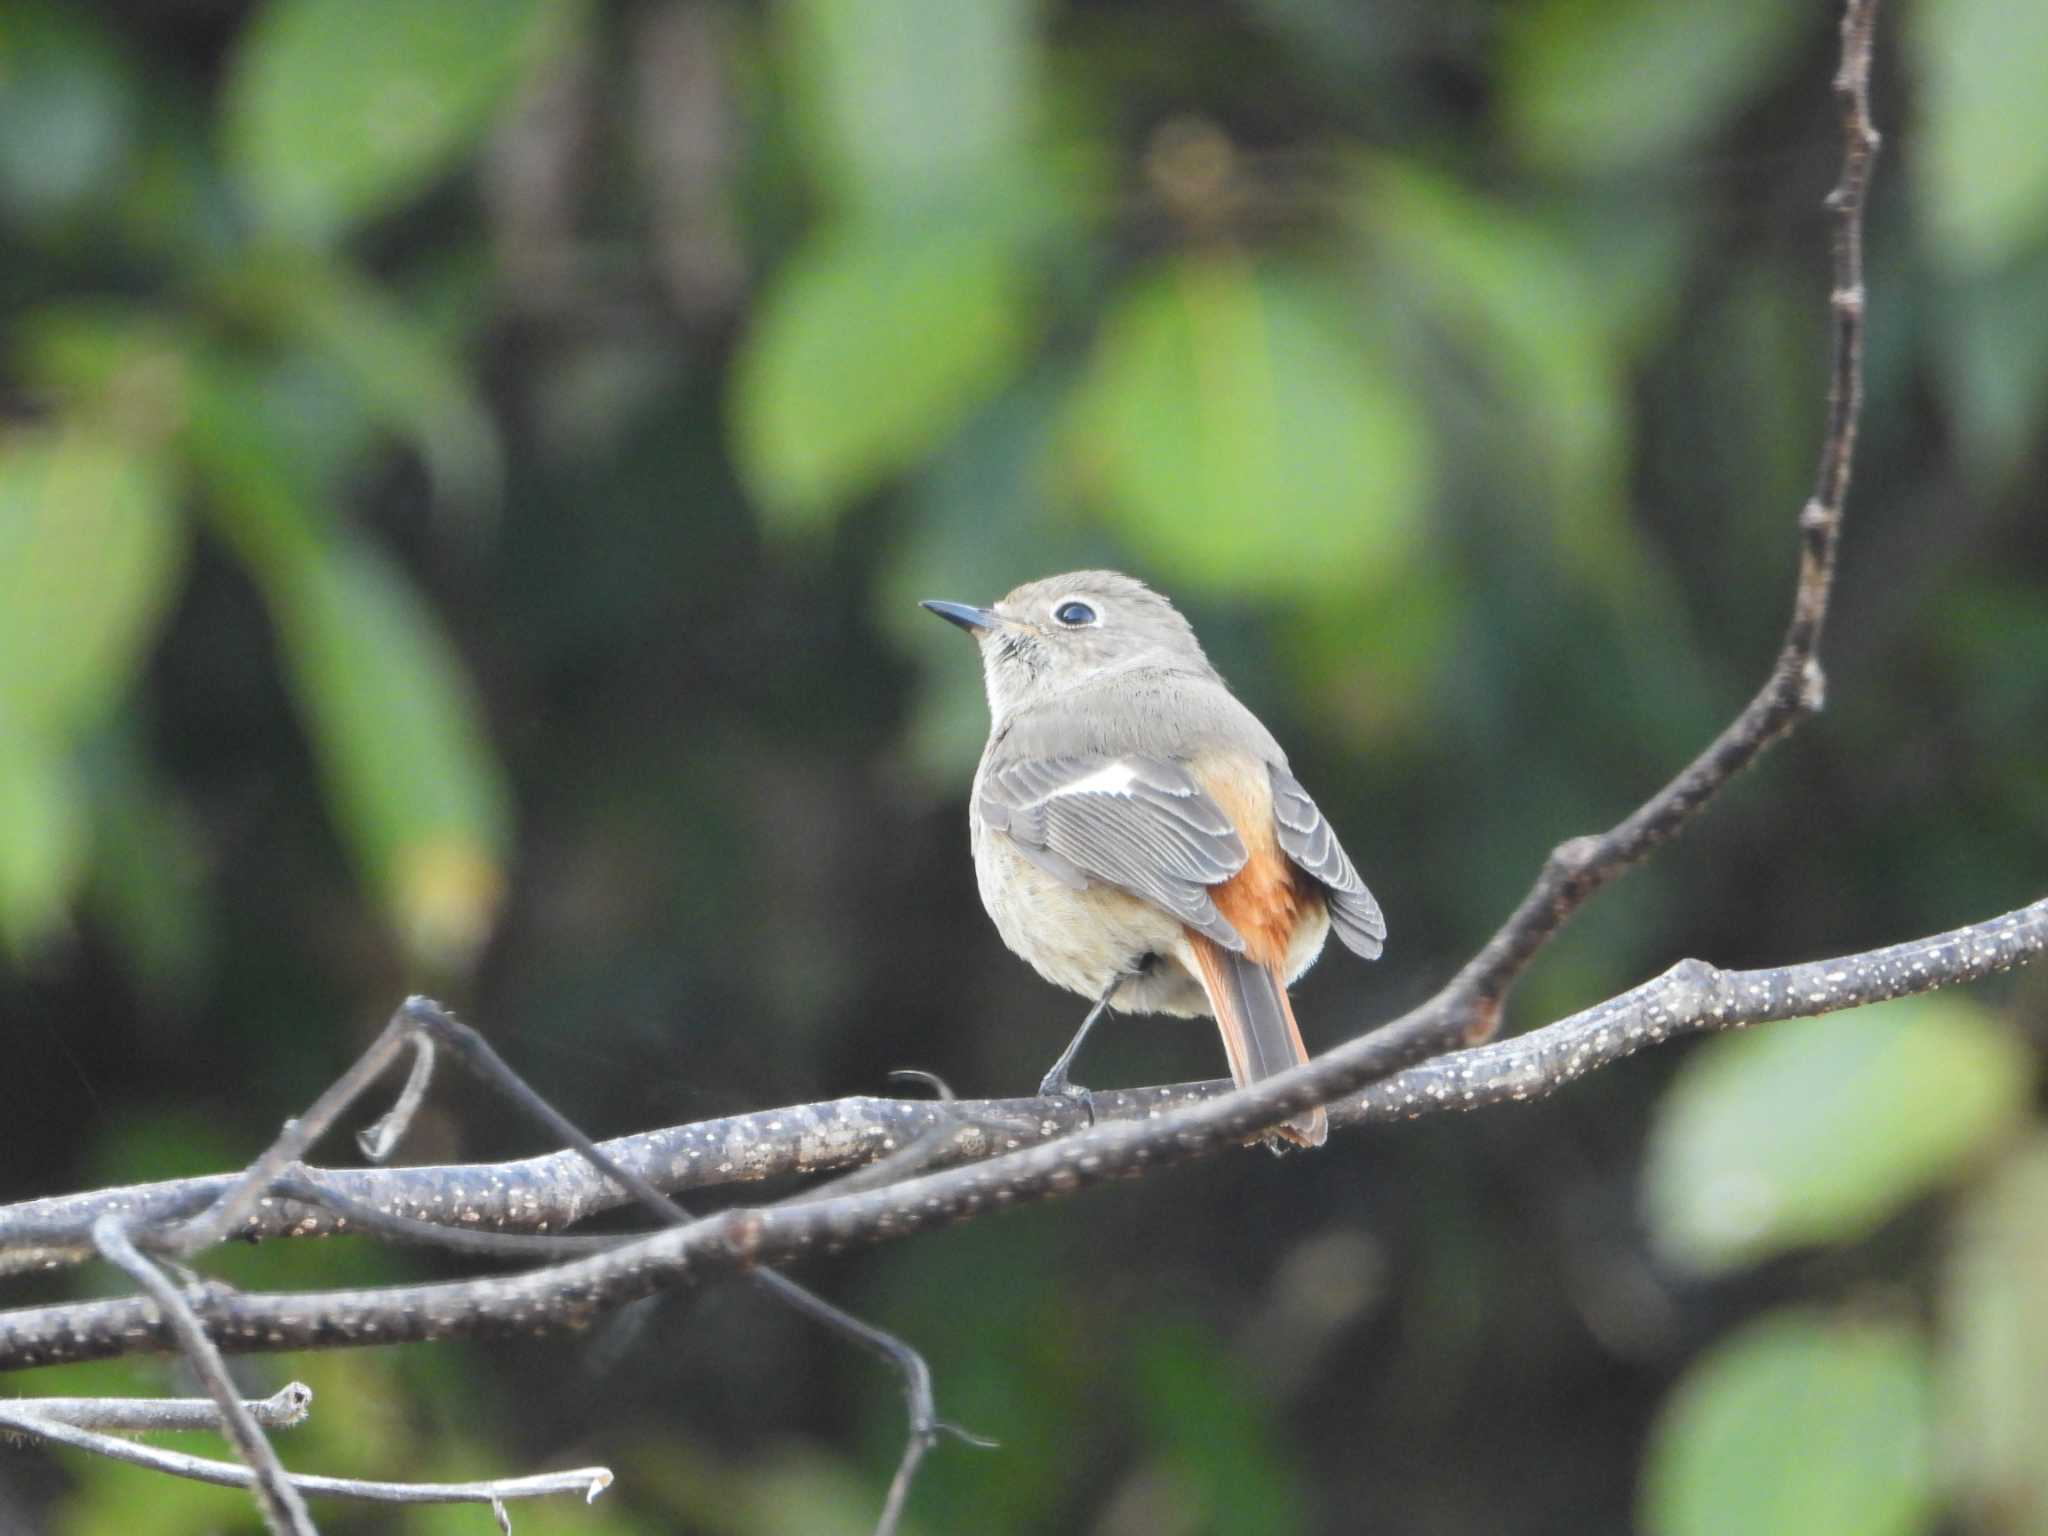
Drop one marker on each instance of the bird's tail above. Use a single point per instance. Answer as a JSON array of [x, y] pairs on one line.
[[1259, 1032]]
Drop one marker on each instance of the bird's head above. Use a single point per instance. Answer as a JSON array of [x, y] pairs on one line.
[[1052, 635]]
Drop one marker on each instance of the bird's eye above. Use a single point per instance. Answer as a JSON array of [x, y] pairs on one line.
[[1074, 615]]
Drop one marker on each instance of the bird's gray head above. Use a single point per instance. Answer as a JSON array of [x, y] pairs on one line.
[[1055, 634]]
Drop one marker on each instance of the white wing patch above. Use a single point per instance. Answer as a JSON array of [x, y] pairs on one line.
[[1110, 779]]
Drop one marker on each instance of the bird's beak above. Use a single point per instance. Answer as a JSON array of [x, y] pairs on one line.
[[967, 617]]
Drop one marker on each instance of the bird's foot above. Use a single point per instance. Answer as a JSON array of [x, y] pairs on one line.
[[1057, 1085]]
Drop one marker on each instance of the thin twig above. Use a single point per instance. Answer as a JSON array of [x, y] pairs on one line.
[[18, 1415], [380, 1139], [241, 1196], [283, 1409], [420, 1019], [419, 1022], [925, 1427], [284, 1511]]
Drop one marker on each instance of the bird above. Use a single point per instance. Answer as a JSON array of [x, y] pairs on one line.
[[1138, 836]]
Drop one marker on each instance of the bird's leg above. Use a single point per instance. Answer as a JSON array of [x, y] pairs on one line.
[[1056, 1083]]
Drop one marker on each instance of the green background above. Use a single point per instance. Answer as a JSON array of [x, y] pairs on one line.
[[467, 469]]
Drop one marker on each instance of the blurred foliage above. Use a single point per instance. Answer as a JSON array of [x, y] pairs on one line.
[[1995, 1366], [1797, 1424], [1820, 1129], [467, 468]]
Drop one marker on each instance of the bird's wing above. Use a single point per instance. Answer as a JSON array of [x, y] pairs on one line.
[[1306, 838], [1141, 824]]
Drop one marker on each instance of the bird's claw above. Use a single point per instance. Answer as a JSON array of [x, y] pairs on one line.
[[1058, 1086]]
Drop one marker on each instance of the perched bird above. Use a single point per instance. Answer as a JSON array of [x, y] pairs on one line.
[[1137, 835]]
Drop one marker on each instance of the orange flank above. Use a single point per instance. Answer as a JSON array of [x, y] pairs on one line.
[[1263, 901]]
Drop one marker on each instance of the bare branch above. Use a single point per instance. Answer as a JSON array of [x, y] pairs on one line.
[[1691, 998], [284, 1511], [380, 1140], [219, 1220], [1694, 998], [925, 1426], [1529, 1066], [20, 1416], [543, 1193], [285, 1408], [356, 1216]]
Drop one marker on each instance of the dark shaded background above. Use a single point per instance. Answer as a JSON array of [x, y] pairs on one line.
[[528, 429]]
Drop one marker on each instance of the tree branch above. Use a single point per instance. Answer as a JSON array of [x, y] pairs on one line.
[[460, 1205], [283, 1409], [283, 1507], [22, 1417], [1689, 999]]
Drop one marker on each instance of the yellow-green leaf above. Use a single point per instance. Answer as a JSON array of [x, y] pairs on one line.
[[874, 343], [1239, 431], [905, 100], [1603, 84], [90, 551], [1982, 118], [1526, 312], [399, 734], [1797, 1426], [1815, 1130], [43, 840], [68, 109], [406, 381], [1994, 1362], [338, 110]]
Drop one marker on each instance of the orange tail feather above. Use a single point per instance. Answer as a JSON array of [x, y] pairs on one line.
[[1257, 1022]]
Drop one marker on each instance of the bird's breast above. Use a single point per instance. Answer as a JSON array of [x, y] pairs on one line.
[[1080, 939]]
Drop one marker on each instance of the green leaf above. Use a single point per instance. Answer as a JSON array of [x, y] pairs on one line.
[[398, 731], [338, 111], [1983, 117], [106, 352], [1239, 432], [90, 551], [410, 779], [873, 345], [1989, 335], [1602, 85], [1796, 1426], [1512, 295], [404, 380], [66, 112], [43, 840], [1994, 1362], [904, 100], [1815, 1130], [266, 482]]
